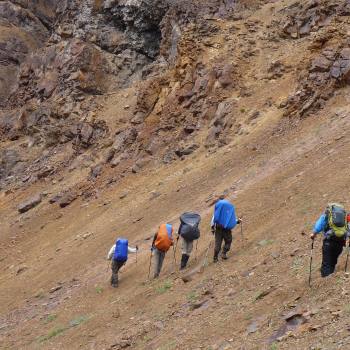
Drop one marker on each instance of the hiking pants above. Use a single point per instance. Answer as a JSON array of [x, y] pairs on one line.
[[116, 266], [158, 261], [331, 250], [186, 246], [222, 235]]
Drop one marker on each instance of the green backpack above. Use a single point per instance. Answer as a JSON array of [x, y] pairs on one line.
[[336, 218]]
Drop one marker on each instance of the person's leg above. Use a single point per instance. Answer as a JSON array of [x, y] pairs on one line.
[[327, 266], [156, 254], [218, 243], [227, 235], [161, 260], [115, 268], [187, 247], [337, 248]]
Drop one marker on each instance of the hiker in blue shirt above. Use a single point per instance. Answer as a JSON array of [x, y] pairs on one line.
[[222, 223], [333, 224]]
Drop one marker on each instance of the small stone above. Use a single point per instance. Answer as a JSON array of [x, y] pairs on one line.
[[55, 289]]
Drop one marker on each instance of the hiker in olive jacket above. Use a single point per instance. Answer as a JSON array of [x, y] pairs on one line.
[[333, 223]]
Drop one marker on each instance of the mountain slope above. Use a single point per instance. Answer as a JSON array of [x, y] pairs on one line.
[[248, 99]]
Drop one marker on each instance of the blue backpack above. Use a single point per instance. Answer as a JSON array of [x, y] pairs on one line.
[[225, 215], [121, 250]]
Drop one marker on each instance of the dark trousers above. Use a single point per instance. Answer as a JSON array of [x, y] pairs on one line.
[[116, 266], [222, 235], [331, 250]]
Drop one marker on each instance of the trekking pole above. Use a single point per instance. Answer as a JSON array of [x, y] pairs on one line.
[[347, 256], [242, 230], [174, 259], [311, 253], [175, 250], [150, 263], [108, 264], [195, 257], [206, 254]]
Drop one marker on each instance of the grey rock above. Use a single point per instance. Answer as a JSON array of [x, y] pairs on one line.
[[30, 203]]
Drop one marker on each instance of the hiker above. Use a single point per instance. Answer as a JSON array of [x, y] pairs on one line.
[[222, 223], [333, 223], [189, 232], [119, 253], [162, 242]]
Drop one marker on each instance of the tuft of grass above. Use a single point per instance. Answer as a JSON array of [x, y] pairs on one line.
[[99, 290], [297, 264], [60, 329], [242, 110], [347, 309], [192, 296], [168, 346], [50, 318], [53, 333], [265, 242], [77, 321], [40, 294], [164, 287], [274, 346], [147, 338]]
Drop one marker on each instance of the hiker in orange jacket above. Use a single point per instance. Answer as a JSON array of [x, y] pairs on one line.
[[162, 242]]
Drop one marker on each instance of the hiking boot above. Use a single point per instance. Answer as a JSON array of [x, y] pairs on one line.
[[215, 260], [184, 260], [224, 256], [114, 285]]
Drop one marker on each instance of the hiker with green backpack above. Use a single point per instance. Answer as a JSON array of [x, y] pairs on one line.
[[333, 223]]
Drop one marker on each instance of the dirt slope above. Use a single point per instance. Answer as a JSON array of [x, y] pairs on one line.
[[258, 92]]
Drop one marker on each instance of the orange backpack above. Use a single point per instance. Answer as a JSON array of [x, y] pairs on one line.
[[164, 238]]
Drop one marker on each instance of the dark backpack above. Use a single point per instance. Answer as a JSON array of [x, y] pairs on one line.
[[189, 227]]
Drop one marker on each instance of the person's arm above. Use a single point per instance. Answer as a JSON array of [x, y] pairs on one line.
[[154, 239], [111, 252], [133, 250], [319, 226]]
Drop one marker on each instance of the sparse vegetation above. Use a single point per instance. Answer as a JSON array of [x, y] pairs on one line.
[[164, 287], [77, 321], [99, 290], [274, 346], [265, 242], [50, 318], [60, 329], [192, 296], [53, 333]]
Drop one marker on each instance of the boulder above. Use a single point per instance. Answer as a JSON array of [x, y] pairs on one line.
[[30, 203], [67, 198]]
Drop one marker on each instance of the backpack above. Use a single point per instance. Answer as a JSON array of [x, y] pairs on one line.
[[337, 219], [164, 238], [225, 215], [189, 227], [121, 250]]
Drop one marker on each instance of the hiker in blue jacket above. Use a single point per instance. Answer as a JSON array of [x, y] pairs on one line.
[[333, 224], [222, 223], [119, 253]]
